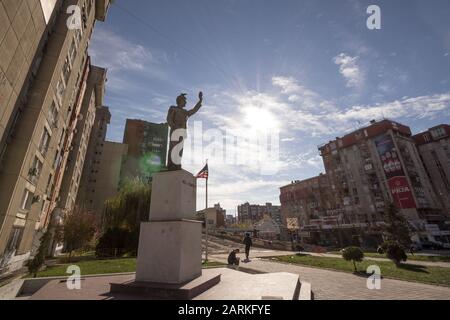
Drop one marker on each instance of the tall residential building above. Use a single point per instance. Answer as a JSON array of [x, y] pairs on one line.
[[93, 164], [147, 148], [44, 67], [365, 170], [434, 148], [93, 97], [107, 179], [375, 165]]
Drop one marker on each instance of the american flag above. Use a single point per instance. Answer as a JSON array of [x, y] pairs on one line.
[[204, 173]]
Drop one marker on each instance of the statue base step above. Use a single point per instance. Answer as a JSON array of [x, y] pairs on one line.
[[164, 291]]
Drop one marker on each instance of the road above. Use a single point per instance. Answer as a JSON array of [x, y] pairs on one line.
[[331, 285]]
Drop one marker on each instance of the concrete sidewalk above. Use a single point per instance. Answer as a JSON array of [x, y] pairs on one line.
[[335, 285]]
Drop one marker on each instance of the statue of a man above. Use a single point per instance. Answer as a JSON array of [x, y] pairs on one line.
[[177, 118]]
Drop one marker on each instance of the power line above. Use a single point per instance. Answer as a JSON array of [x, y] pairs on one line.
[[223, 73]]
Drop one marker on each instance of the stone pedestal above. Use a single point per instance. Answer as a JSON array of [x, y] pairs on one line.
[[170, 251], [170, 244], [169, 263]]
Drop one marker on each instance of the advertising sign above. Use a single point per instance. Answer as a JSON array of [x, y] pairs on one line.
[[292, 224], [392, 167]]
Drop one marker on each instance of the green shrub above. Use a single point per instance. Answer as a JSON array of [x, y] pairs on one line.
[[395, 252], [354, 254], [116, 242]]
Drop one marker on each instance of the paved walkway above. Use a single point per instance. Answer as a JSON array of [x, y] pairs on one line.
[[225, 247], [334, 285]]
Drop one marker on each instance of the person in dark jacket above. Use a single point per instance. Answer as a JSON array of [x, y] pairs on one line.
[[232, 259], [248, 244]]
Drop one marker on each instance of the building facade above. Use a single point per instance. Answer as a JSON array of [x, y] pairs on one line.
[[434, 149], [93, 97], [214, 217], [44, 70], [147, 148], [93, 164], [365, 170], [107, 180], [252, 213]]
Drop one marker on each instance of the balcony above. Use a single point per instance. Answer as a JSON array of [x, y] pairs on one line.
[[101, 8]]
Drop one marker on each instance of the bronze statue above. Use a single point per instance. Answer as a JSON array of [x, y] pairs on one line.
[[177, 118]]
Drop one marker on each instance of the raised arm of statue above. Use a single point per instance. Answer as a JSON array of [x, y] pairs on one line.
[[197, 106]]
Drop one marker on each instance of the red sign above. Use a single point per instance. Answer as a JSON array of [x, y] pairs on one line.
[[401, 193], [397, 181]]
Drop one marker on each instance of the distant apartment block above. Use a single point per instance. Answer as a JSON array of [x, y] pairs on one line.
[[252, 213], [214, 217], [86, 198], [147, 148], [44, 69]]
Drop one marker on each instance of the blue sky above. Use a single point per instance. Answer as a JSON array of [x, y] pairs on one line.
[[310, 70]]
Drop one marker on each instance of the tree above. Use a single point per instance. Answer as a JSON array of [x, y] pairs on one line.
[[79, 227], [396, 229], [39, 259], [395, 252], [355, 241], [353, 254], [123, 216]]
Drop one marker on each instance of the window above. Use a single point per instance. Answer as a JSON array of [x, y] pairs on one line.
[[49, 188], [35, 170], [438, 133], [53, 115], [14, 239], [45, 142], [57, 160], [72, 52], [60, 89], [27, 200], [66, 71]]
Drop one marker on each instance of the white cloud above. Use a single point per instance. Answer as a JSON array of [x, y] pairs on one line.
[[118, 53], [350, 70]]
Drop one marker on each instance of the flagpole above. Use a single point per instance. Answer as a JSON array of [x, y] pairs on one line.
[[206, 222]]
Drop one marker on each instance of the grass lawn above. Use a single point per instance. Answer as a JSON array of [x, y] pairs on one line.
[[432, 275], [410, 257], [93, 267]]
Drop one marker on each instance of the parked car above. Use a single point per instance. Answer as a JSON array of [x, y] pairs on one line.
[[432, 245], [416, 246]]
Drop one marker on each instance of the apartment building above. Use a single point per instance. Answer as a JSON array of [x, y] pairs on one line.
[[147, 148], [434, 149], [252, 213], [214, 217], [365, 170], [107, 179], [93, 97], [93, 162], [44, 68]]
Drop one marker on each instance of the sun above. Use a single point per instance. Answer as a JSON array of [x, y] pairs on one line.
[[260, 119]]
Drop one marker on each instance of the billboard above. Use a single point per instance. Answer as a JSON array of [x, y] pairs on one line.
[[47, 8], [395, 175]]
